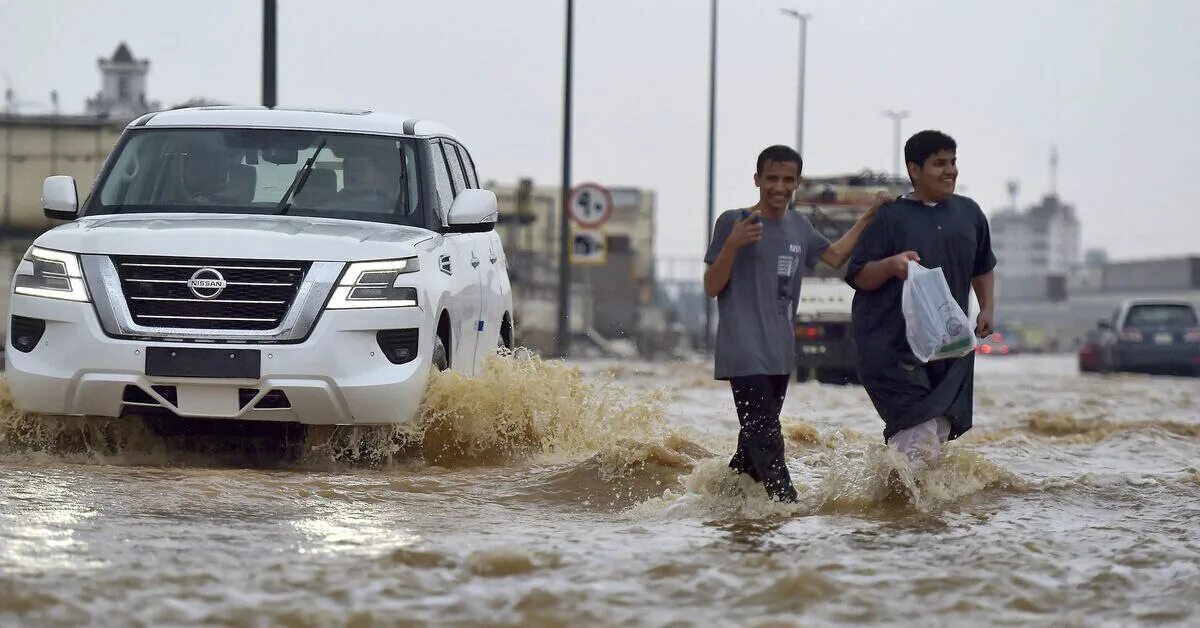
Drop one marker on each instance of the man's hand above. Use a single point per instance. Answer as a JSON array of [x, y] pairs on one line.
[[985, 324], [898, 264], [881, 199], [745, 231]]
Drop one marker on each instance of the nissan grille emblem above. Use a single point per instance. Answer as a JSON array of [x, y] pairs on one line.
[[207, 283]]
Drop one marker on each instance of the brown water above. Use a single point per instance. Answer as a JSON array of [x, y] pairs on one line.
[[597, 493]]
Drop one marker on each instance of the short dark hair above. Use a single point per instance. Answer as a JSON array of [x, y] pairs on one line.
[[925, 144], [779, 154]]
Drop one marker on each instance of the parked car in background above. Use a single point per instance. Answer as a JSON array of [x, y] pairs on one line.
[[1151, 336], [1091, 353]]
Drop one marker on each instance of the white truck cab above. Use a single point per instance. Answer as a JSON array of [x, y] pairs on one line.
[[261, 264]]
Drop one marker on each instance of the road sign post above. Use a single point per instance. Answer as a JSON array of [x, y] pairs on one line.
[[589, 247]]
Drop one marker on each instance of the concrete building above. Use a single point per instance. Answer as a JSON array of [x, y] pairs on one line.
[[123, 86], [1038, 250], [33, 147], [1042, 240], [616, 293], [37, 145]]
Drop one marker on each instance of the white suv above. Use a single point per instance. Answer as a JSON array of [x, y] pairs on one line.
[[261, 264]]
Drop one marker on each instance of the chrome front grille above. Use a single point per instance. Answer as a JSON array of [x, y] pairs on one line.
[[254, 295]]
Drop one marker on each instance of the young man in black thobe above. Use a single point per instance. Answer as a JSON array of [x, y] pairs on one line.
[[922, 405]]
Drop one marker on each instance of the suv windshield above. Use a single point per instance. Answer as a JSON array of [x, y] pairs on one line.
[[251, 171]]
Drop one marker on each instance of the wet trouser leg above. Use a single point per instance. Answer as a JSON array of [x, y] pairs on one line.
[[922, 444], [759, 399]]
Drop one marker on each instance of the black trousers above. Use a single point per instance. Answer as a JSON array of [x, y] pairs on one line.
[[759, 400]]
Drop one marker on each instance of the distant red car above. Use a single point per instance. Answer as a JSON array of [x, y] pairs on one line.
[[996, 344], [1091, 355]]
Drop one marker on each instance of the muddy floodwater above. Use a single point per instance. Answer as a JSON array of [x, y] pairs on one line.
[[596, 493]]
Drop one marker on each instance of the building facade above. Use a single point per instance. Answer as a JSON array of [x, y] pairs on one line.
[[1038, 250], [122, 86], [617, 292], [36, 146], [39, 145]]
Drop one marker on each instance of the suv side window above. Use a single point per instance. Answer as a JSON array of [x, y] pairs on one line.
[[441, 179], [456, 170], [468, 168]]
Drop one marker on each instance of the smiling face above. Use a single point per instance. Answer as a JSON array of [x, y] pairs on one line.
[[777, 182], [935, 179]]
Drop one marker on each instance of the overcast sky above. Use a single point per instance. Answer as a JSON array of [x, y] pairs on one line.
[[1114, 84]]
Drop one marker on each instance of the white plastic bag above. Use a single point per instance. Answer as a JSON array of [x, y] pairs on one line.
[[938, 328]]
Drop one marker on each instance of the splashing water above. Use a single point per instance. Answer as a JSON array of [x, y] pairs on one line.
[[849, 476], [520, 407], [609, 445], [514, 409]]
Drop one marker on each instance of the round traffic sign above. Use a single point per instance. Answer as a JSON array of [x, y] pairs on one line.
[[590, 204]]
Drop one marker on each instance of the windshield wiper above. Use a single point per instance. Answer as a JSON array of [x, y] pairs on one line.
[[285, 203]]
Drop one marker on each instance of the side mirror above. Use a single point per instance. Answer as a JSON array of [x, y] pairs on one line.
[[1105, 325], [474, 211], [60, 200]]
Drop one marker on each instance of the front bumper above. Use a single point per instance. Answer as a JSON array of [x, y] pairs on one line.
[[338, 375]]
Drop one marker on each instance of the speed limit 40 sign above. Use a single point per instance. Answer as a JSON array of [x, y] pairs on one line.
[[590, 205]]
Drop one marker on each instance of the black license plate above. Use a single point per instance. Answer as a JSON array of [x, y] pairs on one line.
[[193, 362]]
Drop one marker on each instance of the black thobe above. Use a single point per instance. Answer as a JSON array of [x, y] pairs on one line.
[[954, 236]]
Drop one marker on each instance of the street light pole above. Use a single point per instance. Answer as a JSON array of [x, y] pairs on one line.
[[563, 341], [712, 142], [896, 117], [268, 50], [803, 18]]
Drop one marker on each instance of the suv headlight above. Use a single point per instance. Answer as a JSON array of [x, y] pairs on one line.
[[51, 274], [375, 284]]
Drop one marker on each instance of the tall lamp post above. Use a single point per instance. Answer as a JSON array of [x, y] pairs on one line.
[[712, 141], [268, 60], [563, 341], [896, 117], [803, 18]]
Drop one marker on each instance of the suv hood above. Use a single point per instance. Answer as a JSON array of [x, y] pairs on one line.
[[235, 236]]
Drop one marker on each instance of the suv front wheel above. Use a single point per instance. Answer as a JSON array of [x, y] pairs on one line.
[[441, 360]]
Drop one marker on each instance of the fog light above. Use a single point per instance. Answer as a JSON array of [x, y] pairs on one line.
[[26, 333], [399, 345]]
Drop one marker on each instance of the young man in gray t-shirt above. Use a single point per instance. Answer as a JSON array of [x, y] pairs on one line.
[[756, 261]]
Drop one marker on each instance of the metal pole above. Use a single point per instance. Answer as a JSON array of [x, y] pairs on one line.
[[268, 60], [1053, 170], [712, 144], [896, 117], [803, 19], [8, 159], [54, 122], [563, 343], [800, 97]]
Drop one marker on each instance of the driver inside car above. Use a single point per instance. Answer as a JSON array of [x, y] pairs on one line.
[[371, 182], [202, 179]]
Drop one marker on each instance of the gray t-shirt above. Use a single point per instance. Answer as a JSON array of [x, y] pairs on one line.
[[757, 309]]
